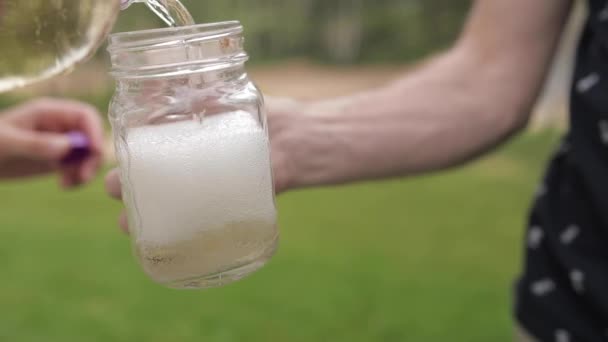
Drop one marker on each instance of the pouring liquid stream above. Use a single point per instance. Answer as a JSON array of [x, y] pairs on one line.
[[174, 14]]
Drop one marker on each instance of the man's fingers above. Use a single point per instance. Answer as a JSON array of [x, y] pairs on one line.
[[113, 184], [113, 188], [123, 222]]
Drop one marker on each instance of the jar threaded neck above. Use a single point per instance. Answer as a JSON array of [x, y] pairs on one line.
[[178, 50]]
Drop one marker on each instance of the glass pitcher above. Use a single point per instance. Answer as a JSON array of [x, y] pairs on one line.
[[42, 38], [193, 151]]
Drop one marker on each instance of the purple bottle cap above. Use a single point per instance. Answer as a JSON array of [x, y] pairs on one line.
[[80, 148]]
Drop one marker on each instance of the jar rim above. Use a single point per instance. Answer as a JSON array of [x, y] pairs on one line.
[[141, 38], [177, 51]]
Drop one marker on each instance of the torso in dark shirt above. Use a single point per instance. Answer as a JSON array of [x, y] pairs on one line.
[[562, 295]]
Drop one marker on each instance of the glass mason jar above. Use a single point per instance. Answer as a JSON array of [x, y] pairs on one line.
[[193, 151]]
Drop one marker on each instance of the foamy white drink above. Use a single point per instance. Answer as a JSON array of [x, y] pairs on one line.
[[202, 196]]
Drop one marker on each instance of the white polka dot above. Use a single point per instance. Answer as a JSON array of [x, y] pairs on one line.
[[562, 335], [587, 83], [564, 147], [570, 234], [535, 236], [542, 287], [603, 15], [603, 126], [542, 190], [577, 277]]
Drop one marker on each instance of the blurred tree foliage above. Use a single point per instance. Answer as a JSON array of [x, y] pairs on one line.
[[335, 31]]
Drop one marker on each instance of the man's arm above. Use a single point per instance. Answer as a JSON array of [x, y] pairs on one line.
[[456, 107]]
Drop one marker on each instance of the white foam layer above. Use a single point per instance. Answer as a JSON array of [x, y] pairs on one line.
[[187, 177]]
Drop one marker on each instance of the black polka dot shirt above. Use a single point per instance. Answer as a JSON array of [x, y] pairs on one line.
[[562, 295]]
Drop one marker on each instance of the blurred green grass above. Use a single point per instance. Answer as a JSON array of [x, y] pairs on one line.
[[421, 259]]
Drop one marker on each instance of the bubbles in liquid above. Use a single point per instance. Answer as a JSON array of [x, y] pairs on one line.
[[208, 253], [200, 194]]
